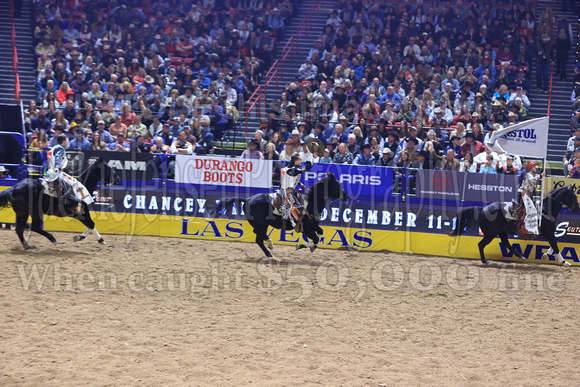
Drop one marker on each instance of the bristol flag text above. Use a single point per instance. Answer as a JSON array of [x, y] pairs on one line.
[[529, 138]]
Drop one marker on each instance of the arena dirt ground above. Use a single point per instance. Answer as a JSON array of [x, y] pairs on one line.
[[148, 311]]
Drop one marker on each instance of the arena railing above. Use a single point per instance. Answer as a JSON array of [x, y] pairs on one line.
[[287, 50], [257, 101], [306, 24], [268, 79]]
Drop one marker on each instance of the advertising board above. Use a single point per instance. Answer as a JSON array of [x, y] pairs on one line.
[[223, 171], [462, 186]]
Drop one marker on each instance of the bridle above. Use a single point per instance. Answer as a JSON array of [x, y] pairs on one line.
[[561, 203]]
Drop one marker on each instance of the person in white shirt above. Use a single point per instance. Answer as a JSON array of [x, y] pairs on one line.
[[481, 158]]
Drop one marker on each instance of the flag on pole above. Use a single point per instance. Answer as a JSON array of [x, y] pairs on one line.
[[529, 138]]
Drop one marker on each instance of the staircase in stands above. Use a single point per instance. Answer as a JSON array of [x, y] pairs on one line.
[[25, 50], [561, 106], [306, 43]]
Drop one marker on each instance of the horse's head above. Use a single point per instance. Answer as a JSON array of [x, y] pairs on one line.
[[570, 200], [104, 172], [334, 188]]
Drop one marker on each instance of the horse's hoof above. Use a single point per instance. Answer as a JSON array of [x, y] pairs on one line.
[[102, 241], [522, 258], [312, 248], [29, 247], [53, 243], [545, 257], [270, 244], [299, 246], [566, 263], [78, 238], [485, 262]]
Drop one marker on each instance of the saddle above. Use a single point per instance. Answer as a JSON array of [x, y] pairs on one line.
[[287, 210], [62, 190]]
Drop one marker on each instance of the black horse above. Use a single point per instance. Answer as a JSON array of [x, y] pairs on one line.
[[492, 222], [27, 198], [260, 214]]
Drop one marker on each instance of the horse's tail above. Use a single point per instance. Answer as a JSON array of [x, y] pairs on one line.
[[464, 218], [5, 198], [226, 205]]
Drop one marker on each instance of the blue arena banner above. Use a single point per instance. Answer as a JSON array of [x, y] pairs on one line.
[[360, 182], [462, 186], [487, 188], [371, 215], [434, 184]]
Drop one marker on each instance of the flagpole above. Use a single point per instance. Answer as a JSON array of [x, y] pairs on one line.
[[544, 167]]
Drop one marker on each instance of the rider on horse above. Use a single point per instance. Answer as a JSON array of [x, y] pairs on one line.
[[56, 177], [528, 189], [289, 179]]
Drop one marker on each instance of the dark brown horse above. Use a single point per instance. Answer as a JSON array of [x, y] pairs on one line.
[[261, 215], [492, 222], [27, 198]]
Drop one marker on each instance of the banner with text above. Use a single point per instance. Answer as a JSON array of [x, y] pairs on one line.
[[488, 188], [529, 138], [446, 185], [359, 181], [555, 182], [129, 165], [223, 171], [475, 187]]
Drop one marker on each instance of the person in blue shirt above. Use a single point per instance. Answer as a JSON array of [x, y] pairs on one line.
[[365, 158], [488, 166], [454, 145], [393, 98], [79, 142]]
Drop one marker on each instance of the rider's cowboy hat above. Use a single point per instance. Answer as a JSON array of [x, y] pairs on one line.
[[314, 145]]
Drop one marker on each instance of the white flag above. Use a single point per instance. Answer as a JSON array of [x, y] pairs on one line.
[[529, 138]]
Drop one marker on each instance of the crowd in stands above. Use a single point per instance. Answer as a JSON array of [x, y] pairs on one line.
[[140, 75], [572, 156], [413, 85]]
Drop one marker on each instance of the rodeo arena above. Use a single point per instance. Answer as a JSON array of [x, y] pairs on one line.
[[289, 192]]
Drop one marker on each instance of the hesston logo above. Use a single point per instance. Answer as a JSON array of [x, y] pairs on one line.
[[440, 181]]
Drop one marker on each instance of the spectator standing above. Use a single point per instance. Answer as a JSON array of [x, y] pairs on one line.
[[562, 49]]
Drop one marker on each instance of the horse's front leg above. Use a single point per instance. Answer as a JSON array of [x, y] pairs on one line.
[[554, 250], [261, 236], [313, 239], [86, 219]]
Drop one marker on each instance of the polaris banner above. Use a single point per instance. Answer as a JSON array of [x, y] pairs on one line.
[[359, 181], [475, 187], [127, 165], [222, 171]]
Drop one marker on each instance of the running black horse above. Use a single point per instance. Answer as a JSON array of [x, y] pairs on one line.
[[27, 198], [492, 222], [259, 212]]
